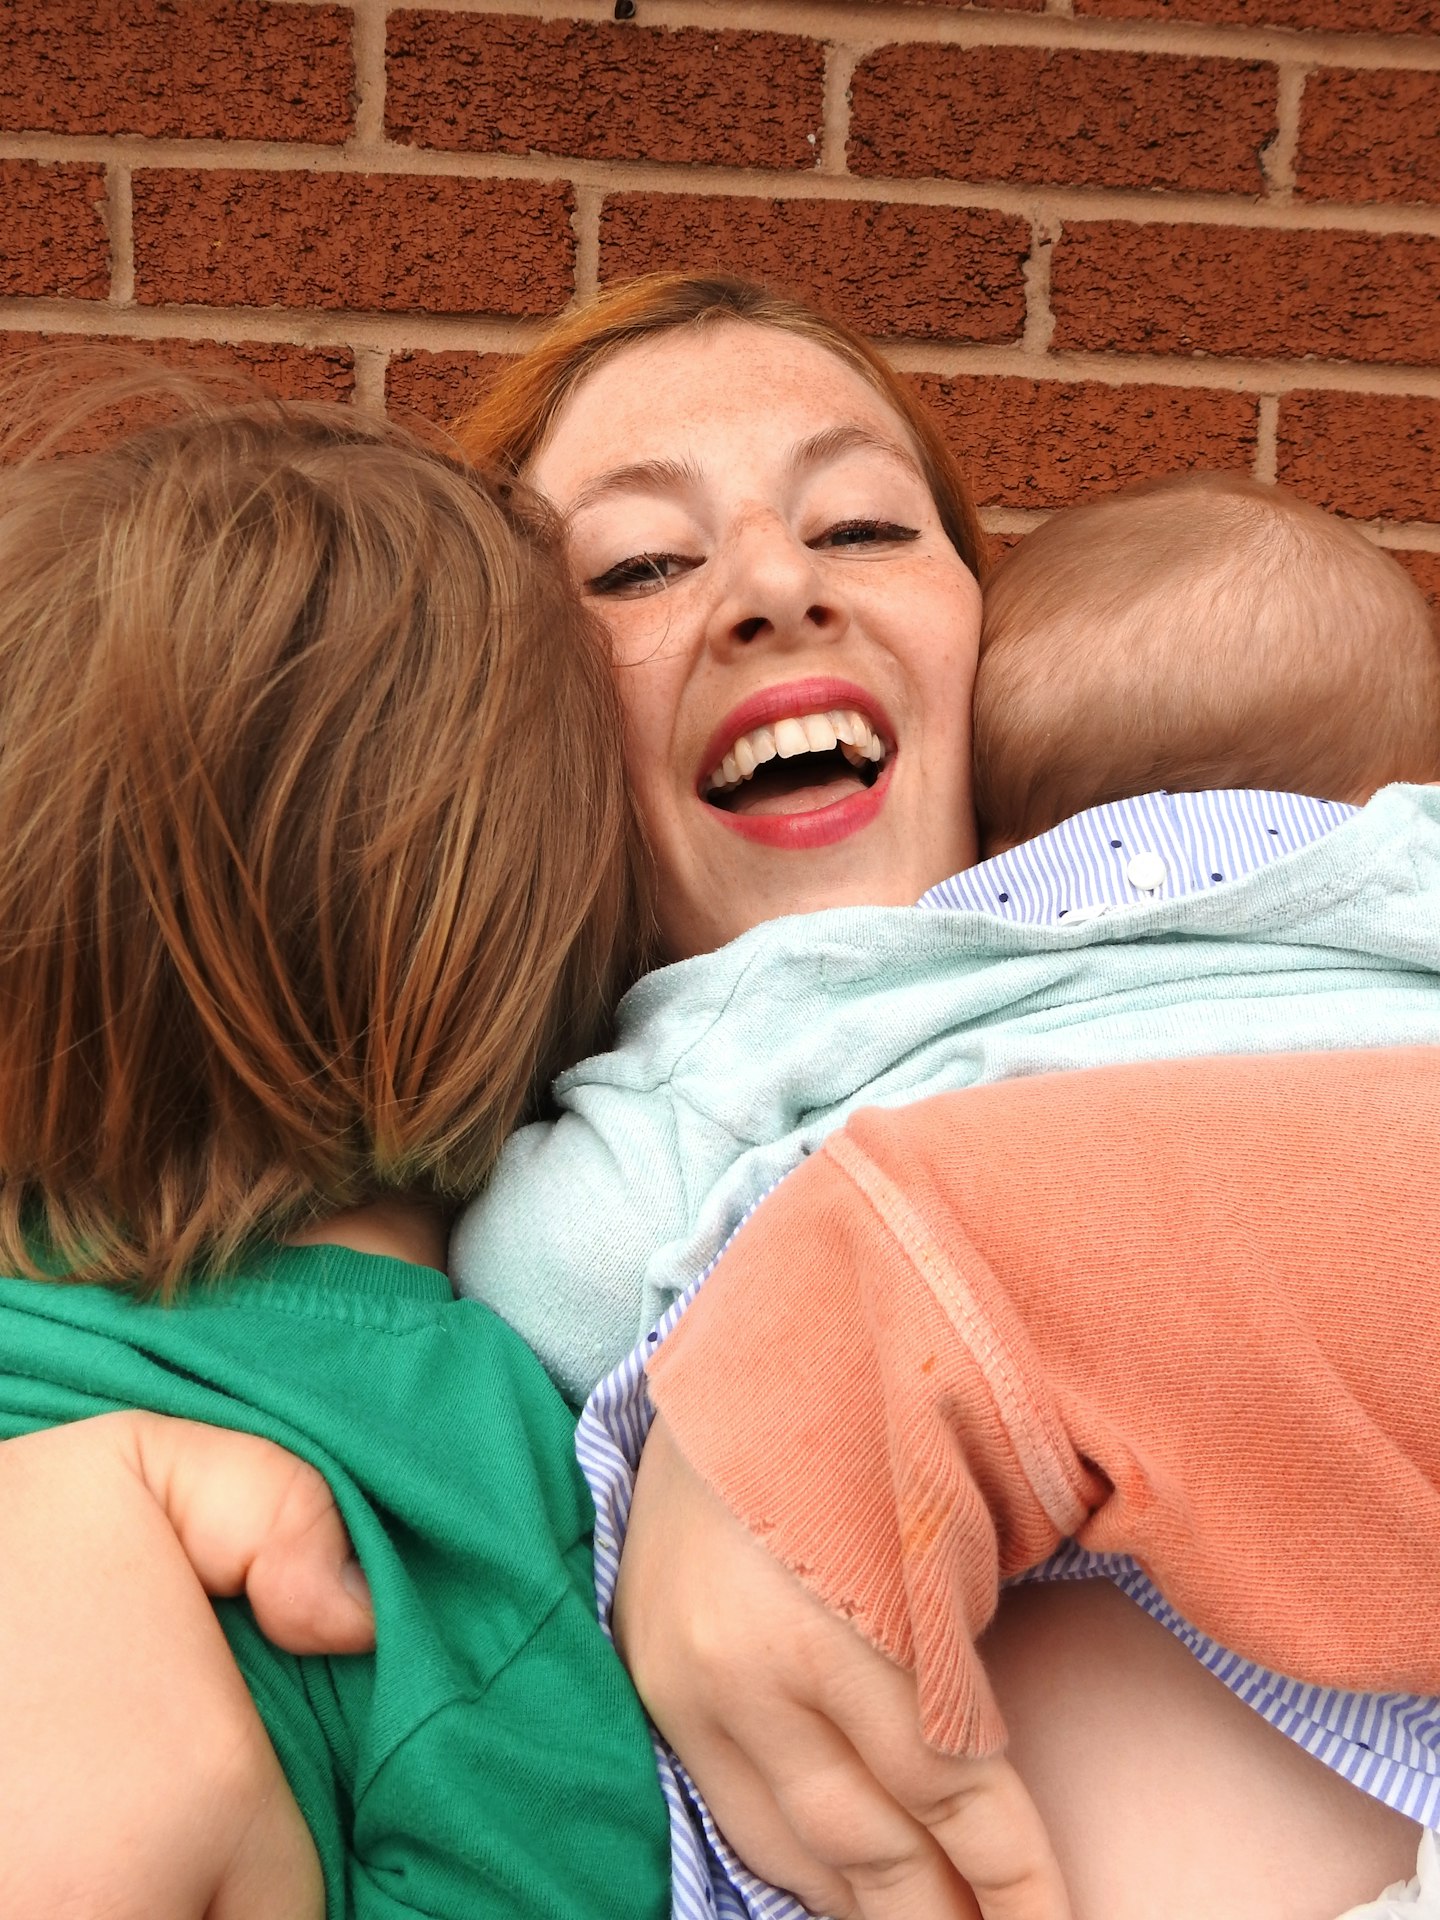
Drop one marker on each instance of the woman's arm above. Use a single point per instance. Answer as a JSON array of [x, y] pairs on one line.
[[137, 1778], [804, 1739], [1160, 1791]]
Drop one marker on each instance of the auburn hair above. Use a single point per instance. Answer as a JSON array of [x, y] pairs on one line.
[[1204, 630], [510, 424], [315, 854]]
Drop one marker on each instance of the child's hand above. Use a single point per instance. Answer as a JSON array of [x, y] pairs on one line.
[[253, 1519], [804, 1740], [137, 1778]]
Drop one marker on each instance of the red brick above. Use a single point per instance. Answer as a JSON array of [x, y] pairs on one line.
[[376, 242], [1371, 455], [495, 83], [1224, 290], [927, 273], [1369, 136], [1320, 16], [197, 69], [293, 372], [1062, 117], [440, 386], [1424, 570], [53, 220], [1044, 443]]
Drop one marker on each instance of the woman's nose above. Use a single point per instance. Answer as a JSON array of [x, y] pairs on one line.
[[772, 588]]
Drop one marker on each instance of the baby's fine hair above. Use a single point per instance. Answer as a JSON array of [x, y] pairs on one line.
[[314, 846], [1202, 631]]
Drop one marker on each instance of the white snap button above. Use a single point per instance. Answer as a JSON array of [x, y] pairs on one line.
[[1146, 871], [1078, 916]]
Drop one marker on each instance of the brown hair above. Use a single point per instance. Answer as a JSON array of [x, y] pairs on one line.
[[313, 836], [1201, 631], [510, 424]]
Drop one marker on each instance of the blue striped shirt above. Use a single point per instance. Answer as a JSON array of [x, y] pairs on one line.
[[1157, 846]]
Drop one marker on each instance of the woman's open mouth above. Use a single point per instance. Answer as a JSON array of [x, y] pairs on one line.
[[798, 764]]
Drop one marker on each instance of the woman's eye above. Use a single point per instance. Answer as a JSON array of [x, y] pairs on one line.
[[864, 533], [641, 573]]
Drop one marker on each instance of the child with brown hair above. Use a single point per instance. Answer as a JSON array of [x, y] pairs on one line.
[[291, 931]]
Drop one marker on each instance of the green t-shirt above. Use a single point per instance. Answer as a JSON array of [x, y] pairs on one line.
[[490, 1758]]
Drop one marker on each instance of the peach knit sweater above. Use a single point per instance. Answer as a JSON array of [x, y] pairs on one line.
[[1186, 1311]]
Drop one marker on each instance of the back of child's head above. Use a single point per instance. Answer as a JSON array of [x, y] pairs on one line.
[[314, 848], [1204, 631]]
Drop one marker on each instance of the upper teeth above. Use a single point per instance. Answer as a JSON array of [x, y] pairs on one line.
[[804, 733]]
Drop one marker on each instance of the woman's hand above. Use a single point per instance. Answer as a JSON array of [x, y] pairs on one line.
[[137, 1779], [803, 1739]]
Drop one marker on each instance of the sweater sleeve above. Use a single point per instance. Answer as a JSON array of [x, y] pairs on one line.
[[838, 1447], [1184, 1311]]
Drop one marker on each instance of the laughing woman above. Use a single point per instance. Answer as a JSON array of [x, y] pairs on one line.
[[755, 503]]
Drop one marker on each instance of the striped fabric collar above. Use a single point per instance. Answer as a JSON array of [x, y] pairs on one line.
[[1156, 846]]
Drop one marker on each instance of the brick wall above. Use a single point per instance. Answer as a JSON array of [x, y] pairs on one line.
[[1107, 237]]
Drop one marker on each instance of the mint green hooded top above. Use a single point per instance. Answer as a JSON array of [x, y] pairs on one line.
[[728, 1068]]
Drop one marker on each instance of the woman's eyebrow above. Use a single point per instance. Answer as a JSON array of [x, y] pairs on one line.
[[637, 476], [833, 442]]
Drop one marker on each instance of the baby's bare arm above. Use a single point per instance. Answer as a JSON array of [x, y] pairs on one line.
[[1162, 1792]]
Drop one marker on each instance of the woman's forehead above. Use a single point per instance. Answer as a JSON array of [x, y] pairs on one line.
[[667, 398]]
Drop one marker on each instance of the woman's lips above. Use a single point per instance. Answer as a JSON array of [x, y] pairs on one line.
[[807, 814], [820, 825]]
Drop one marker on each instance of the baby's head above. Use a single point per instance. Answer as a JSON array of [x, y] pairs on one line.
[[1205, 631], [312, 829]]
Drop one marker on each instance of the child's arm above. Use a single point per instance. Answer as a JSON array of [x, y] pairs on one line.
[[135, 1771]]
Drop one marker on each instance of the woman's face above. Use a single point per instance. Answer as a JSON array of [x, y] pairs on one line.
[[794, 635]]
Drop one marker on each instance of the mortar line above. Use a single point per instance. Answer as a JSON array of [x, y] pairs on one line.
[[1280, 156], [1267, 435], [368, 47], [497, 333], [1412, 536], [1039, 328], [1014, 519], [1210, 373], [864, 25], [585, 225], [120, 226], [1069, 204], [368, 392], [835, 139], [1402, 536]]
